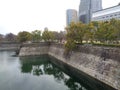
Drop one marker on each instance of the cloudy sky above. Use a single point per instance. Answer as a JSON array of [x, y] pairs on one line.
[[29, 15]]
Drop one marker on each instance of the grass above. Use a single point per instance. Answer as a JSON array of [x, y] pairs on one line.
[[106, 45], [99, 44]]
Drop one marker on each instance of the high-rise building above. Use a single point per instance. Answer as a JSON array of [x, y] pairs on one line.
[[87, 7], [71, 16], [107, 14]]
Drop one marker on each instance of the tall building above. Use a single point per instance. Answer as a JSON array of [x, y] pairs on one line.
[[87, 7], [107, 14], [71, 16]]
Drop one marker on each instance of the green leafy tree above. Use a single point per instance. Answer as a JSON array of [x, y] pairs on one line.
[[115, 25], [89, 32], [36, 35], [47, 35], [70, 45], [24, 36], [102, 31], [106, 32], [80, 32], [76, 32]]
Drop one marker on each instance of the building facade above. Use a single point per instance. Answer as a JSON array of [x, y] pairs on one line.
[[87, 7], [107, 14], [71, 16]]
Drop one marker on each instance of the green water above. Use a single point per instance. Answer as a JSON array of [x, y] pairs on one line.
[[35, 73]]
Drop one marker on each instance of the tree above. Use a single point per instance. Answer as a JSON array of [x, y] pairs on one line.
[[24, 36], [47, 35], [89, 32], [36, 35], [76, 31], [58, 36], [75, 34], [115, 25], [10, 37], [101, 32], [1, 37], [106, 32], [80, 32], [62, 35], [70, 45]]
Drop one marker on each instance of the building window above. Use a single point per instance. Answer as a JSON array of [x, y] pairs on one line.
[[107, 16], [111, 15]]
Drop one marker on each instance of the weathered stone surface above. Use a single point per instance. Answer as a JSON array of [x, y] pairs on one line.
[[98, 62], [27, 51], [9, 46]]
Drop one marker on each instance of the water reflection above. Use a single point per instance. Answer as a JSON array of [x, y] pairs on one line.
[[42, 73], [39, 66]]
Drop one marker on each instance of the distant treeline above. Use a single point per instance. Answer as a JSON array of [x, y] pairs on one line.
[[107, 32], [34, 36]]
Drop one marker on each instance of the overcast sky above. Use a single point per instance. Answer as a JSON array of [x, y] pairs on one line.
[[29, 15]]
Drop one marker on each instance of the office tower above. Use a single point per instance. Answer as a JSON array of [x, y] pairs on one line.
[[107, 14], [87, 7], [71, 16]]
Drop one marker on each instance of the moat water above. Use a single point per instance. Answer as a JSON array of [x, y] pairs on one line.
[[36, 73]]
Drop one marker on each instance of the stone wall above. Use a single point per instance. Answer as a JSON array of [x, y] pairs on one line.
[[34, 49], [92, 62], [103, 52], [97, 62], [9, 46]]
